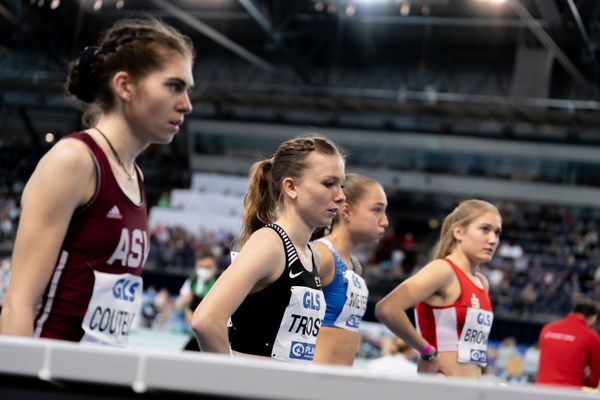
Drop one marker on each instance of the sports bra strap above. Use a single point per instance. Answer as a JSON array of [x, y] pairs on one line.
[[336, 255], [290, 251]]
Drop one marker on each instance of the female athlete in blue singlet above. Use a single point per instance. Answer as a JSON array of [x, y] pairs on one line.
[[360, 220]]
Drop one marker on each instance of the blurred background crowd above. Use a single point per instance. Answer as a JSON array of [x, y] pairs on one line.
[[439, 100]]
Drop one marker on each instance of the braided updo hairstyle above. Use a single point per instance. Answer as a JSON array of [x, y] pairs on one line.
[[266, 178], [137, 46]]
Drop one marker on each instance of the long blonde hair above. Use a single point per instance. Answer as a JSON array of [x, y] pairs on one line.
[[266, 177], [463, 215]]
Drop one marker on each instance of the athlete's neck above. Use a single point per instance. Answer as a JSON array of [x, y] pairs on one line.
[[463, 262], [121, 137], [342, 242], [298, 233]]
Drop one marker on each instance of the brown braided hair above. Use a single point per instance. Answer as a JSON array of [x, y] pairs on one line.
[[137, 46], [266, 177]]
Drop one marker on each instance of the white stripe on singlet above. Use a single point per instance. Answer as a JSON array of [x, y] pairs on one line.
[[290, 250], [39, 325], [446, 329]]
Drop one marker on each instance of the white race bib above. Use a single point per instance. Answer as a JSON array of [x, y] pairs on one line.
[[111, 310], [355, 306], [472, 346], [300, 325]]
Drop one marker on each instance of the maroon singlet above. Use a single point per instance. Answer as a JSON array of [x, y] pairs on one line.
[[96, 286]]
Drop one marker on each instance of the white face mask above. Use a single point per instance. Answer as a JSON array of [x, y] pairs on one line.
[[204, 274]]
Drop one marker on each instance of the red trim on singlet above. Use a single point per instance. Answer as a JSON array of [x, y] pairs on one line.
[[442, 325]]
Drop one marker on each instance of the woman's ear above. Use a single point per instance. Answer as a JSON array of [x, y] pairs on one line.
[[345, 211], [289, 188], [122, 84], [458, 232]]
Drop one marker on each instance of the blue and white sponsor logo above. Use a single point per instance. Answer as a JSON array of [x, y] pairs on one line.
[[484, 319], [302, 351], [353, 321], [124, 289], [312, 301], [356, 281], [478, 356]]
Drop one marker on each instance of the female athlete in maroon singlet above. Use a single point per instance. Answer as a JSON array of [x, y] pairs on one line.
[[82, 239]]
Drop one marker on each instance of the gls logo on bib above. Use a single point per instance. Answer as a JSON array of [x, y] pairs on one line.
[[124, 289]]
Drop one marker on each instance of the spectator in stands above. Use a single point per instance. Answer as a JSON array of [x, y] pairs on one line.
[[506, 349], [4, 278], [397, 359], [453, 310], [272, 290], [163, 306], [174, 248], [408, 246], [83, 229], [570, 349], [360, 220], [531, 360], [148, 309], [195, 288], [6, 224], [163, 200]]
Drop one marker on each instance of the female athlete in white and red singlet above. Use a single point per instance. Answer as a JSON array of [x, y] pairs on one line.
[[82, 238], [453, 312]]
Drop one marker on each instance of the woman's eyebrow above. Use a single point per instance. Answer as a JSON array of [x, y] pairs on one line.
[[181, 81]]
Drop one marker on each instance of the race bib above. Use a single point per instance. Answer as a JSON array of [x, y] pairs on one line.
[[355, 306], [111, 310], [297, 334], [472, 346]]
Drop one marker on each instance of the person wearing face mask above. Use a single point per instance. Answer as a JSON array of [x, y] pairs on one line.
[[195, 288]]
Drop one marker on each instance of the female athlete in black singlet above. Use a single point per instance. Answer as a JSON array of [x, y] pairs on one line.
[[272, 291]]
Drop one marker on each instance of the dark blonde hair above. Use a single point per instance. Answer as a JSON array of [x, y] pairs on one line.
[[356, 187], [463, 215], [137, 46], [266, 177]]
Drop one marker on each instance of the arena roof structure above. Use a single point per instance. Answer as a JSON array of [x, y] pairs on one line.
[[501, 67]]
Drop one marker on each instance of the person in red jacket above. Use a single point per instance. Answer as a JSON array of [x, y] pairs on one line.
[[570, 349]]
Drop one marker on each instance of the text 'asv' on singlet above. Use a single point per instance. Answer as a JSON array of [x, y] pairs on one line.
[[282, 320]]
